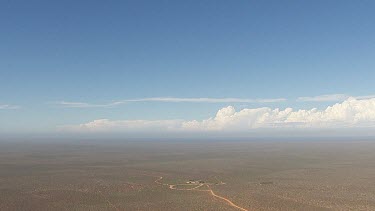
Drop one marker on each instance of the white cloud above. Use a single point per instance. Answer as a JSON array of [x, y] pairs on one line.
[[9, 107], [350, 113]]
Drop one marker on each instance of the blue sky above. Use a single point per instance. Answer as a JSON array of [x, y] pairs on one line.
[[97, 53]]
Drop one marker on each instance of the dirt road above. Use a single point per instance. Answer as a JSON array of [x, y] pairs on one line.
[[173, 187]]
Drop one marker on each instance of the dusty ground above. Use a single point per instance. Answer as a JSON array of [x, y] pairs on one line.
[[152, 175]]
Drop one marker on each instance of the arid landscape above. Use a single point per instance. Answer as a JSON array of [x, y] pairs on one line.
[[160, 105], [187, 175]]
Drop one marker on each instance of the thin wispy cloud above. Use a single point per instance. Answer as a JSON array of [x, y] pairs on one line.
[[333, 98], [8, 107], [324, 98], [69, 104], [365, 97], [206, 100]]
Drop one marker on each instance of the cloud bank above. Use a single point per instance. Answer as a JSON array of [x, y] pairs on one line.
[[351, 113]]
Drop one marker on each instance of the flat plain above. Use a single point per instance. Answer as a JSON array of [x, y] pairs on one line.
[[187, 175]]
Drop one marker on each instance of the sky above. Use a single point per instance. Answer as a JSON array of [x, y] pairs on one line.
[[182, 67]]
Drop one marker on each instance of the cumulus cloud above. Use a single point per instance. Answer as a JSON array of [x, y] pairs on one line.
[[68, 104], [350, 113], [7, 107]]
